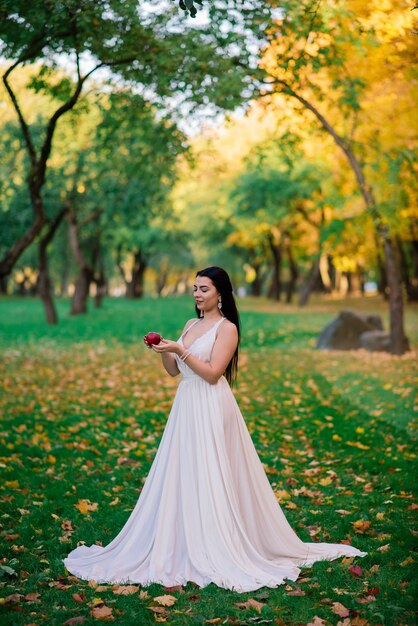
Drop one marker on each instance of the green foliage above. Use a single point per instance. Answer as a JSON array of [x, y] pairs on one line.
[[154, 49]]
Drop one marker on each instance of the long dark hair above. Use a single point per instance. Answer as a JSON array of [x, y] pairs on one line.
[[222, 282]]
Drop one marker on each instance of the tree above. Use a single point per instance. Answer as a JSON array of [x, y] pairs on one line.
[[277, 190], [152, 50], [307, 60]]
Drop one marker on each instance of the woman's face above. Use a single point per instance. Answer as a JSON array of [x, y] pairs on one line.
[[205, 293]]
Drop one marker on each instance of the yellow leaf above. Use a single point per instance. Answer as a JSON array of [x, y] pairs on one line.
[[357, 444], [84, 506], [281, 494], [325, 481], [13, 484], [407, 561]]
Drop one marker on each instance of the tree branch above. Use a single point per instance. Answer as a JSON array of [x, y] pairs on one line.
[[307, 217], [25, 128], [365, 191]]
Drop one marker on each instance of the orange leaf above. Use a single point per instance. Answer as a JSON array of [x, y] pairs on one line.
[[102, 612]]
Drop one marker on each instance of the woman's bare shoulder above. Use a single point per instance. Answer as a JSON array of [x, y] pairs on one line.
[[228, 328]]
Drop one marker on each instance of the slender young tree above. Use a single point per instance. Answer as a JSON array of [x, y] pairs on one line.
[[307, 61]]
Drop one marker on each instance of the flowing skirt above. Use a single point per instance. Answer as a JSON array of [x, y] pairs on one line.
[[207, 512]]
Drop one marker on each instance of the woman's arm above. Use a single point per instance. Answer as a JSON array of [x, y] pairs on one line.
[[222, 352]]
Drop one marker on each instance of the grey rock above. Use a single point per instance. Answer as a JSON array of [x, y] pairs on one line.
[[375, 340], [343, 332]]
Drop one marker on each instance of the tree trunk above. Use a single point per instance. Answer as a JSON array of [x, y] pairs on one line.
[[275, 288], [403, 262], [44, 288], [101, 284], [294, 273], [81, 291], [398, 341], [162, 277], [332, 273], [382, 283], [257, 285], [413, 295], [44, 283], [86, 274], [65, 274], [326, 284], [310, 282], [3, 284], [135, 287]]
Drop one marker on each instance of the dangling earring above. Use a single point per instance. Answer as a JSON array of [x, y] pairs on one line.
[[219, 304]]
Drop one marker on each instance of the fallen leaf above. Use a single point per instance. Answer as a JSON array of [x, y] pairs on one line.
[[124, 590], [165, 600], [359, 621], [250, 604], [296, 592], [317, 621], [384, 548], [84, 506], [340, 610], [102, 612], [355, 571], [79, 597], [14, 597], [361, 525], [73, 621]]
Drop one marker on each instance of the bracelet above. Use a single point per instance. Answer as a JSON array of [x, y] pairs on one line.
[[185, 356]]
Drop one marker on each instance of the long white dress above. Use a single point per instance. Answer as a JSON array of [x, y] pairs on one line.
[[206, 512]]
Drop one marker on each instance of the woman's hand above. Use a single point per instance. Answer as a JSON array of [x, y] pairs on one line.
[[146, 343], [166, 345]]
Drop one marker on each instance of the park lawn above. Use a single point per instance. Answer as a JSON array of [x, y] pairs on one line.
[[84, 405]]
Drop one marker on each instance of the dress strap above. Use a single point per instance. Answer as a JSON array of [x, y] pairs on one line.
[[187, 329]]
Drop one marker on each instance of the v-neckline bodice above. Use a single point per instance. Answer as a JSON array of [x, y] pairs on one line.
[[200, 336]]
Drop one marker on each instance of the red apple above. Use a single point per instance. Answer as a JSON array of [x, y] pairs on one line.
[[153, 339]]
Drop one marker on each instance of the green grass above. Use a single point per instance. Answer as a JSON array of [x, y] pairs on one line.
[[74, 396]]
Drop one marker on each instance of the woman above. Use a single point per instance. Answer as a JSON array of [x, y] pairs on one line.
[[207, 512]]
